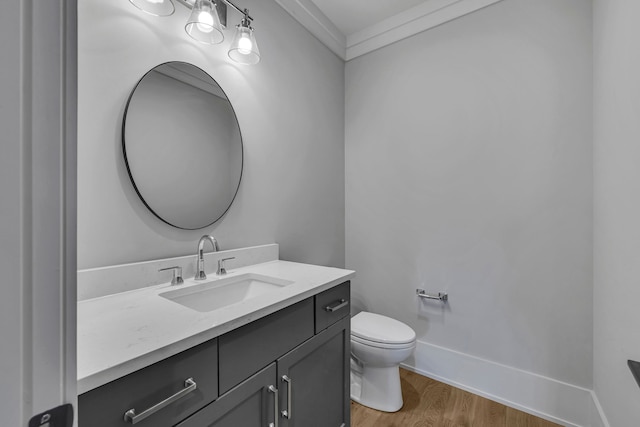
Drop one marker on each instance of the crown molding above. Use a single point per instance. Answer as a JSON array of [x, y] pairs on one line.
[[427, 15], [316, 22]]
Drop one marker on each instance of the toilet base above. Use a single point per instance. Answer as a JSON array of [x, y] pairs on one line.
[[377, 388]]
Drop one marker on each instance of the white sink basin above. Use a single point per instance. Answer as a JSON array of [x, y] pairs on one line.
[[224, 292]]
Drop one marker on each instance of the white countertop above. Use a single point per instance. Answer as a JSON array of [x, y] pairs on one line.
[[121, 333]]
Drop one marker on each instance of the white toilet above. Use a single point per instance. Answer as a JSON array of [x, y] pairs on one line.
[[378, 345]]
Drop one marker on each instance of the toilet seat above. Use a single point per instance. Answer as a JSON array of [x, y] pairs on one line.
[[389, 346], [381, 331]]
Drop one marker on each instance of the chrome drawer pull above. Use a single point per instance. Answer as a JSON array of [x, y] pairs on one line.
[[274, 390], [131, 417], [288, 413], [338, 306]]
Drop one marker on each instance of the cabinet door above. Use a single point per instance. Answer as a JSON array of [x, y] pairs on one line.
[[249, 404], [314, 380]]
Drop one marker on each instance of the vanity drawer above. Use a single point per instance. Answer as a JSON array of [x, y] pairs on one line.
[[332, 305], [246, 350], [106, 406]]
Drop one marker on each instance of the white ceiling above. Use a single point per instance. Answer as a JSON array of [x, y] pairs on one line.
[[351, 28]]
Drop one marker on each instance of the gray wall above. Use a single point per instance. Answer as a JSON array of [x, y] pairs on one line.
[[469, 170], [617, 208], [291, 113]]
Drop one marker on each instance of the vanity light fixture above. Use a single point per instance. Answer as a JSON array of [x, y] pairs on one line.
[[205, 24], [244, 48]]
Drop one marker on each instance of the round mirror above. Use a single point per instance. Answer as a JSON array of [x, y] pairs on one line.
[[182, 145]]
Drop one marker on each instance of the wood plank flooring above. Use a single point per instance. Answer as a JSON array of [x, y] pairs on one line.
[[429, 403]]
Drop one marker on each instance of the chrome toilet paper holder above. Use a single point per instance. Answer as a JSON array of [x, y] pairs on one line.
[[442, 296]]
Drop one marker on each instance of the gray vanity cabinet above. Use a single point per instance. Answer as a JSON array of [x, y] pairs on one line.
[[287, 369], [314, 380]]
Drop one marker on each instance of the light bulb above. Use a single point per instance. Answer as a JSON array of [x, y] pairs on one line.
[[205, 22], [244, 44], [244, 49]]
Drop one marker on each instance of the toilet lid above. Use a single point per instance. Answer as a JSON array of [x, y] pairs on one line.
[[381, 329]]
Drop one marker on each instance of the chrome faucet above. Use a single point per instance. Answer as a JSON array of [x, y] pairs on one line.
[[200, 275]]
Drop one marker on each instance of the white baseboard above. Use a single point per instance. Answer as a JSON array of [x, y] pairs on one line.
[[597, 416], [544, 397]]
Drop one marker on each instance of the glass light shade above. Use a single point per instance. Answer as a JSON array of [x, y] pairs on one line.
[[204, 24], [244, 48], [155, 7]]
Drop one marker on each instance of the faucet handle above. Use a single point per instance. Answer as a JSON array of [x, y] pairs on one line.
[[177, 275], [221, 270]]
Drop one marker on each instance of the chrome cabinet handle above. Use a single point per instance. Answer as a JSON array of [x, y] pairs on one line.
[[338, 306], [288, 413], [131, 417], [274, 390]]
